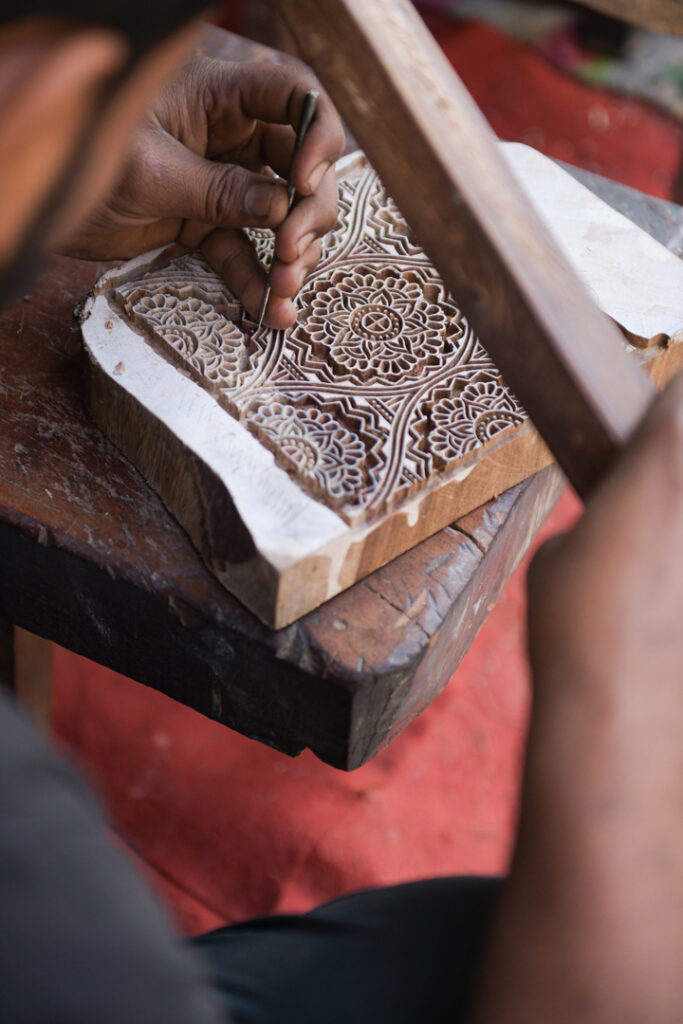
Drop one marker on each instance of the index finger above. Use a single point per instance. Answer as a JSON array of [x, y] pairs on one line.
[[322, 146], [275, 94]]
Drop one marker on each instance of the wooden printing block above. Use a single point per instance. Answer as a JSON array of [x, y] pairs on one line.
[[299, 461]]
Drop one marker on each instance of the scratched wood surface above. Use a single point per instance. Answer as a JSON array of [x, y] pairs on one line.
[[92, 560]]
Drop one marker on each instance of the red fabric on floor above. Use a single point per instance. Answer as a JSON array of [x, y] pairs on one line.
[[527, 100], [227, 828]]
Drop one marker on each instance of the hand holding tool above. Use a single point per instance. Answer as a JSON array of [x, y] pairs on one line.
[[307, 115]]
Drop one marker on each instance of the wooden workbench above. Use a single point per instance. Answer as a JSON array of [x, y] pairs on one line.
[[92, 560]]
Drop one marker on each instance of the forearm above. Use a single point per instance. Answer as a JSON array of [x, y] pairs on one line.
[[590, 925]]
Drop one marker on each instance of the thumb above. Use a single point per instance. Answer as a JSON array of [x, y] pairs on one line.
[[224, 195]]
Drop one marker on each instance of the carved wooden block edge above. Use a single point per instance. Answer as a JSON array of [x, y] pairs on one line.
[[272, 543], [278, 548]]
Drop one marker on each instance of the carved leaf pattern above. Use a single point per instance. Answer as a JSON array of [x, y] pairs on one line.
[[203, 338], [379, 385], [316, 445], [465, 421]]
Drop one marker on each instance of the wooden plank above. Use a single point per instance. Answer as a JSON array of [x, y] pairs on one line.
[[92, 560], [299, 461], [339, 681], [33, 674], [658, 15], [6, 654], [502, 550], [401, 98]]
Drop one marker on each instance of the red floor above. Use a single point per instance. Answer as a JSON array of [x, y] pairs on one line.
[[227, 828]]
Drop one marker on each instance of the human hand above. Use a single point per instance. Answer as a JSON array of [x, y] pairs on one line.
[[589, 921], [605, 600], [198, 173]]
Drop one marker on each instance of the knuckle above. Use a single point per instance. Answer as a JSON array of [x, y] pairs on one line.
[[328, 220], [313, 254], [224, 197], [232, 267], [147, 165]]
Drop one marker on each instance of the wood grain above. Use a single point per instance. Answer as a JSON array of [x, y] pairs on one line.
[[92, 560], [438, 158]]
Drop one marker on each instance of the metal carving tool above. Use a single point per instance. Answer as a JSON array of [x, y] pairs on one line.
[[307, 115]]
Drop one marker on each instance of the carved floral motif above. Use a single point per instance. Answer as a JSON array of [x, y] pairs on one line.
[[377, 326], [465, 421], [378, 386], [203, 338], [324, 453], [263, 241]]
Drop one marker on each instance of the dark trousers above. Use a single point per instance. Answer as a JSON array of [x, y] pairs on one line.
[[83, 942], [403, 954]]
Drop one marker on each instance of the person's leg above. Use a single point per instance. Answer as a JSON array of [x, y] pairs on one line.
[[83, 940], [401, 954]]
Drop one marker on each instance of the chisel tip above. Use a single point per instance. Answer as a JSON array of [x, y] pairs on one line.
[[264, 303]]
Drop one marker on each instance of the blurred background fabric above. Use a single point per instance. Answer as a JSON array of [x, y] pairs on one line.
[[592, 47]]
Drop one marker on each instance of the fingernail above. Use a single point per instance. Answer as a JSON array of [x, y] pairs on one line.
[[304, 243], [260, 199], [317, 175]]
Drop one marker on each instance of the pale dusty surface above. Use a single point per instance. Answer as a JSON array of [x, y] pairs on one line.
[[631, 276], [284, 522], [381, 385]]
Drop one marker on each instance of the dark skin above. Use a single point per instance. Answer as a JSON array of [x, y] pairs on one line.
[[590, 925], [198, 172], [189, 156]]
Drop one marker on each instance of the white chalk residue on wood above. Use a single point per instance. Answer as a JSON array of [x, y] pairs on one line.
[[285, 523], [631, 276]]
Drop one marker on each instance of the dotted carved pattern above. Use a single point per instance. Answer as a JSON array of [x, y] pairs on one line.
[[381, 384]]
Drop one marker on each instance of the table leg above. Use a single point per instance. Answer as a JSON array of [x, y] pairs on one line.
[[677, 190], [26, 668], [6, 654]]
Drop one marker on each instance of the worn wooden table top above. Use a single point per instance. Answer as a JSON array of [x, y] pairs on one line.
[[92, 560]]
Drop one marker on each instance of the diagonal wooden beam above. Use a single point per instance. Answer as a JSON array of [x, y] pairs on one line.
[[659, 15], [438, 157]]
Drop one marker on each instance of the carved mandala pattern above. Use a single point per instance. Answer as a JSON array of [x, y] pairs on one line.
[[384, 328], [379, 385], [263, 241]]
